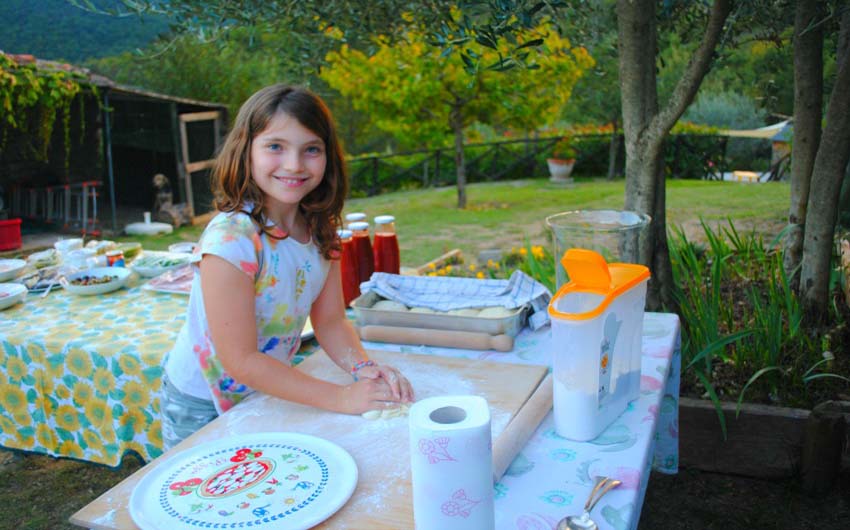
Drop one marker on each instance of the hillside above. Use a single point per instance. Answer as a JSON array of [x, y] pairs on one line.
[[54, 29]]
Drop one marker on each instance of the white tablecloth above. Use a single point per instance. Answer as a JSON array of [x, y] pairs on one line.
[[552, 477]]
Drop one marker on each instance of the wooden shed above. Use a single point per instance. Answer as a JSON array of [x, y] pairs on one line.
[[120, 137]]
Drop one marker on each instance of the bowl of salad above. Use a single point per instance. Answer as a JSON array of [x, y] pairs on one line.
[[153, 263], [97, 280]]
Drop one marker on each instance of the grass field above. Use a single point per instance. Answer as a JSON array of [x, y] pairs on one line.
[[505, 214]]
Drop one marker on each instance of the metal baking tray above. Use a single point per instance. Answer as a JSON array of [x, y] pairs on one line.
[[365, 315]]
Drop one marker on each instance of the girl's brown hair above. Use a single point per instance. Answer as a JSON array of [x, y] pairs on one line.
[[231, 174]]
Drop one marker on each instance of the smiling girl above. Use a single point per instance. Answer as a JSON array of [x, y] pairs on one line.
[[267, 263]]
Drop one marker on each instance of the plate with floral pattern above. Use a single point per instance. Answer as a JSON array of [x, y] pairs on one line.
[[272, 480]]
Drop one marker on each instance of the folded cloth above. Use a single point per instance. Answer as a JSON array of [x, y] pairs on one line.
[[444, 293]]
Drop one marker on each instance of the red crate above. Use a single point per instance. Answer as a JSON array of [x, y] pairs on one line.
[[10, 234]]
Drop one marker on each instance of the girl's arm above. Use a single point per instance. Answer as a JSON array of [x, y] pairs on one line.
[[229, 303], [338, 338]]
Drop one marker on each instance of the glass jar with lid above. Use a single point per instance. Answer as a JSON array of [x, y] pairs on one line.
[[386, 253]]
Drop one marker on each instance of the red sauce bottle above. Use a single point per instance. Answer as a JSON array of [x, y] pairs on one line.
[[362, 249], [348, 268], [386, 245]]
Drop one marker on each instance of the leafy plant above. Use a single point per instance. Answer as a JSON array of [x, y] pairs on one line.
[[32, 98], [564, 149], [742, 320]]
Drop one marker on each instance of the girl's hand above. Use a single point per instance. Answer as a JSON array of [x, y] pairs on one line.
[[401, 389], [367, 394]]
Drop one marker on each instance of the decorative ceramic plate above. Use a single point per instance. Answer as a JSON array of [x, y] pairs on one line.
[[174, 281], [153, 263], [11, 294], [272, 480], [98, 280], [9, 268]]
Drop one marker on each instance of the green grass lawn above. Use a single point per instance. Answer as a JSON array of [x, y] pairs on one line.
[[505, 214]]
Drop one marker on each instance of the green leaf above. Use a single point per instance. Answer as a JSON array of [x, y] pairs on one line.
[[821, 376], [26, 432], [717, 406], [99, 362], [126, 432], [718, 344], [32, 395], [116, 369], [64, 435], [154, 373], [752, 380], [153, 450], [529, 44], [56, 360], [468, 62]]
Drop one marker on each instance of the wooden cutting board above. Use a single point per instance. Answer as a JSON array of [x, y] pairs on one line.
[[383, 498]]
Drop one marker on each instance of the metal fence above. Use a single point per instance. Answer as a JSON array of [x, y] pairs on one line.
[[686, 156]]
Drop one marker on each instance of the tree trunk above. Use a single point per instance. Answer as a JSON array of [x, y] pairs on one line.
[[645, 126], [827, 174], [613, 150], [808, 102], [460, 161]]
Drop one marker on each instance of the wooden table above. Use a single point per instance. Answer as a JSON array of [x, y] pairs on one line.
[[550, 478]]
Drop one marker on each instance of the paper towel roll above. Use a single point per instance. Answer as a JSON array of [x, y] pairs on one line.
[[451, 460]]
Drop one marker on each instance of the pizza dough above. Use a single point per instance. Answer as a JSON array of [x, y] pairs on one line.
[[387, 414], [389, 305], [463, 312], [421, 310], [495, 312]]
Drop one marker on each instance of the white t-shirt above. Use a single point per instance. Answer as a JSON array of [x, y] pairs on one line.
[[288, 276]]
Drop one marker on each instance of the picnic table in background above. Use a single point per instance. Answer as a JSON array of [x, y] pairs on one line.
[[80, 375]]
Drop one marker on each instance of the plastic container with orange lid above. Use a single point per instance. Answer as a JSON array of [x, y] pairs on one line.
[[597, 324]]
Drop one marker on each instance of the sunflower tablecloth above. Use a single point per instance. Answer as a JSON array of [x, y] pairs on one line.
[[79, 375]]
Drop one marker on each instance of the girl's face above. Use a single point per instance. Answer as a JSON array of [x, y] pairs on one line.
[[287, 162]]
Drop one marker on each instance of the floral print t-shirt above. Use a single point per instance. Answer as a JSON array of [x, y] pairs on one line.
[[288, 276]]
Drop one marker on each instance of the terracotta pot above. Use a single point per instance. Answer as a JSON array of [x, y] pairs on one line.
[[560, 169]]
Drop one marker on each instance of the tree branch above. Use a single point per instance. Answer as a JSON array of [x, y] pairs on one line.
[[687, 87]]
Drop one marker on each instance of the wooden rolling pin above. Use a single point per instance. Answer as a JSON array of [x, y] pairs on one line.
[[469, 340], [521, 427]]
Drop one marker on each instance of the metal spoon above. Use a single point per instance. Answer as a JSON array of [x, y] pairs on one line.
[[583, 521]]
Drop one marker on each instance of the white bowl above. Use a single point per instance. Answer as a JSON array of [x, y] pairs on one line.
[[9, 268], [184, 247], [153, 263], [44, 258], [11, 294], [78, 258], [119, 274], [65, 245]]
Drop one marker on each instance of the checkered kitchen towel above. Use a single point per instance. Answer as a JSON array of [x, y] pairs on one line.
[[444, 293]]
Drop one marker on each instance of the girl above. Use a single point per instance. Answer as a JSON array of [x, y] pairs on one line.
[[266, 264]]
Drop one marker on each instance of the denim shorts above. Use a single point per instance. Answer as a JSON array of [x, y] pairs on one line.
[[182, 414]]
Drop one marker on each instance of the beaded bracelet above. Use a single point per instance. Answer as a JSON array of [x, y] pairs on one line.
[[360, 364]]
